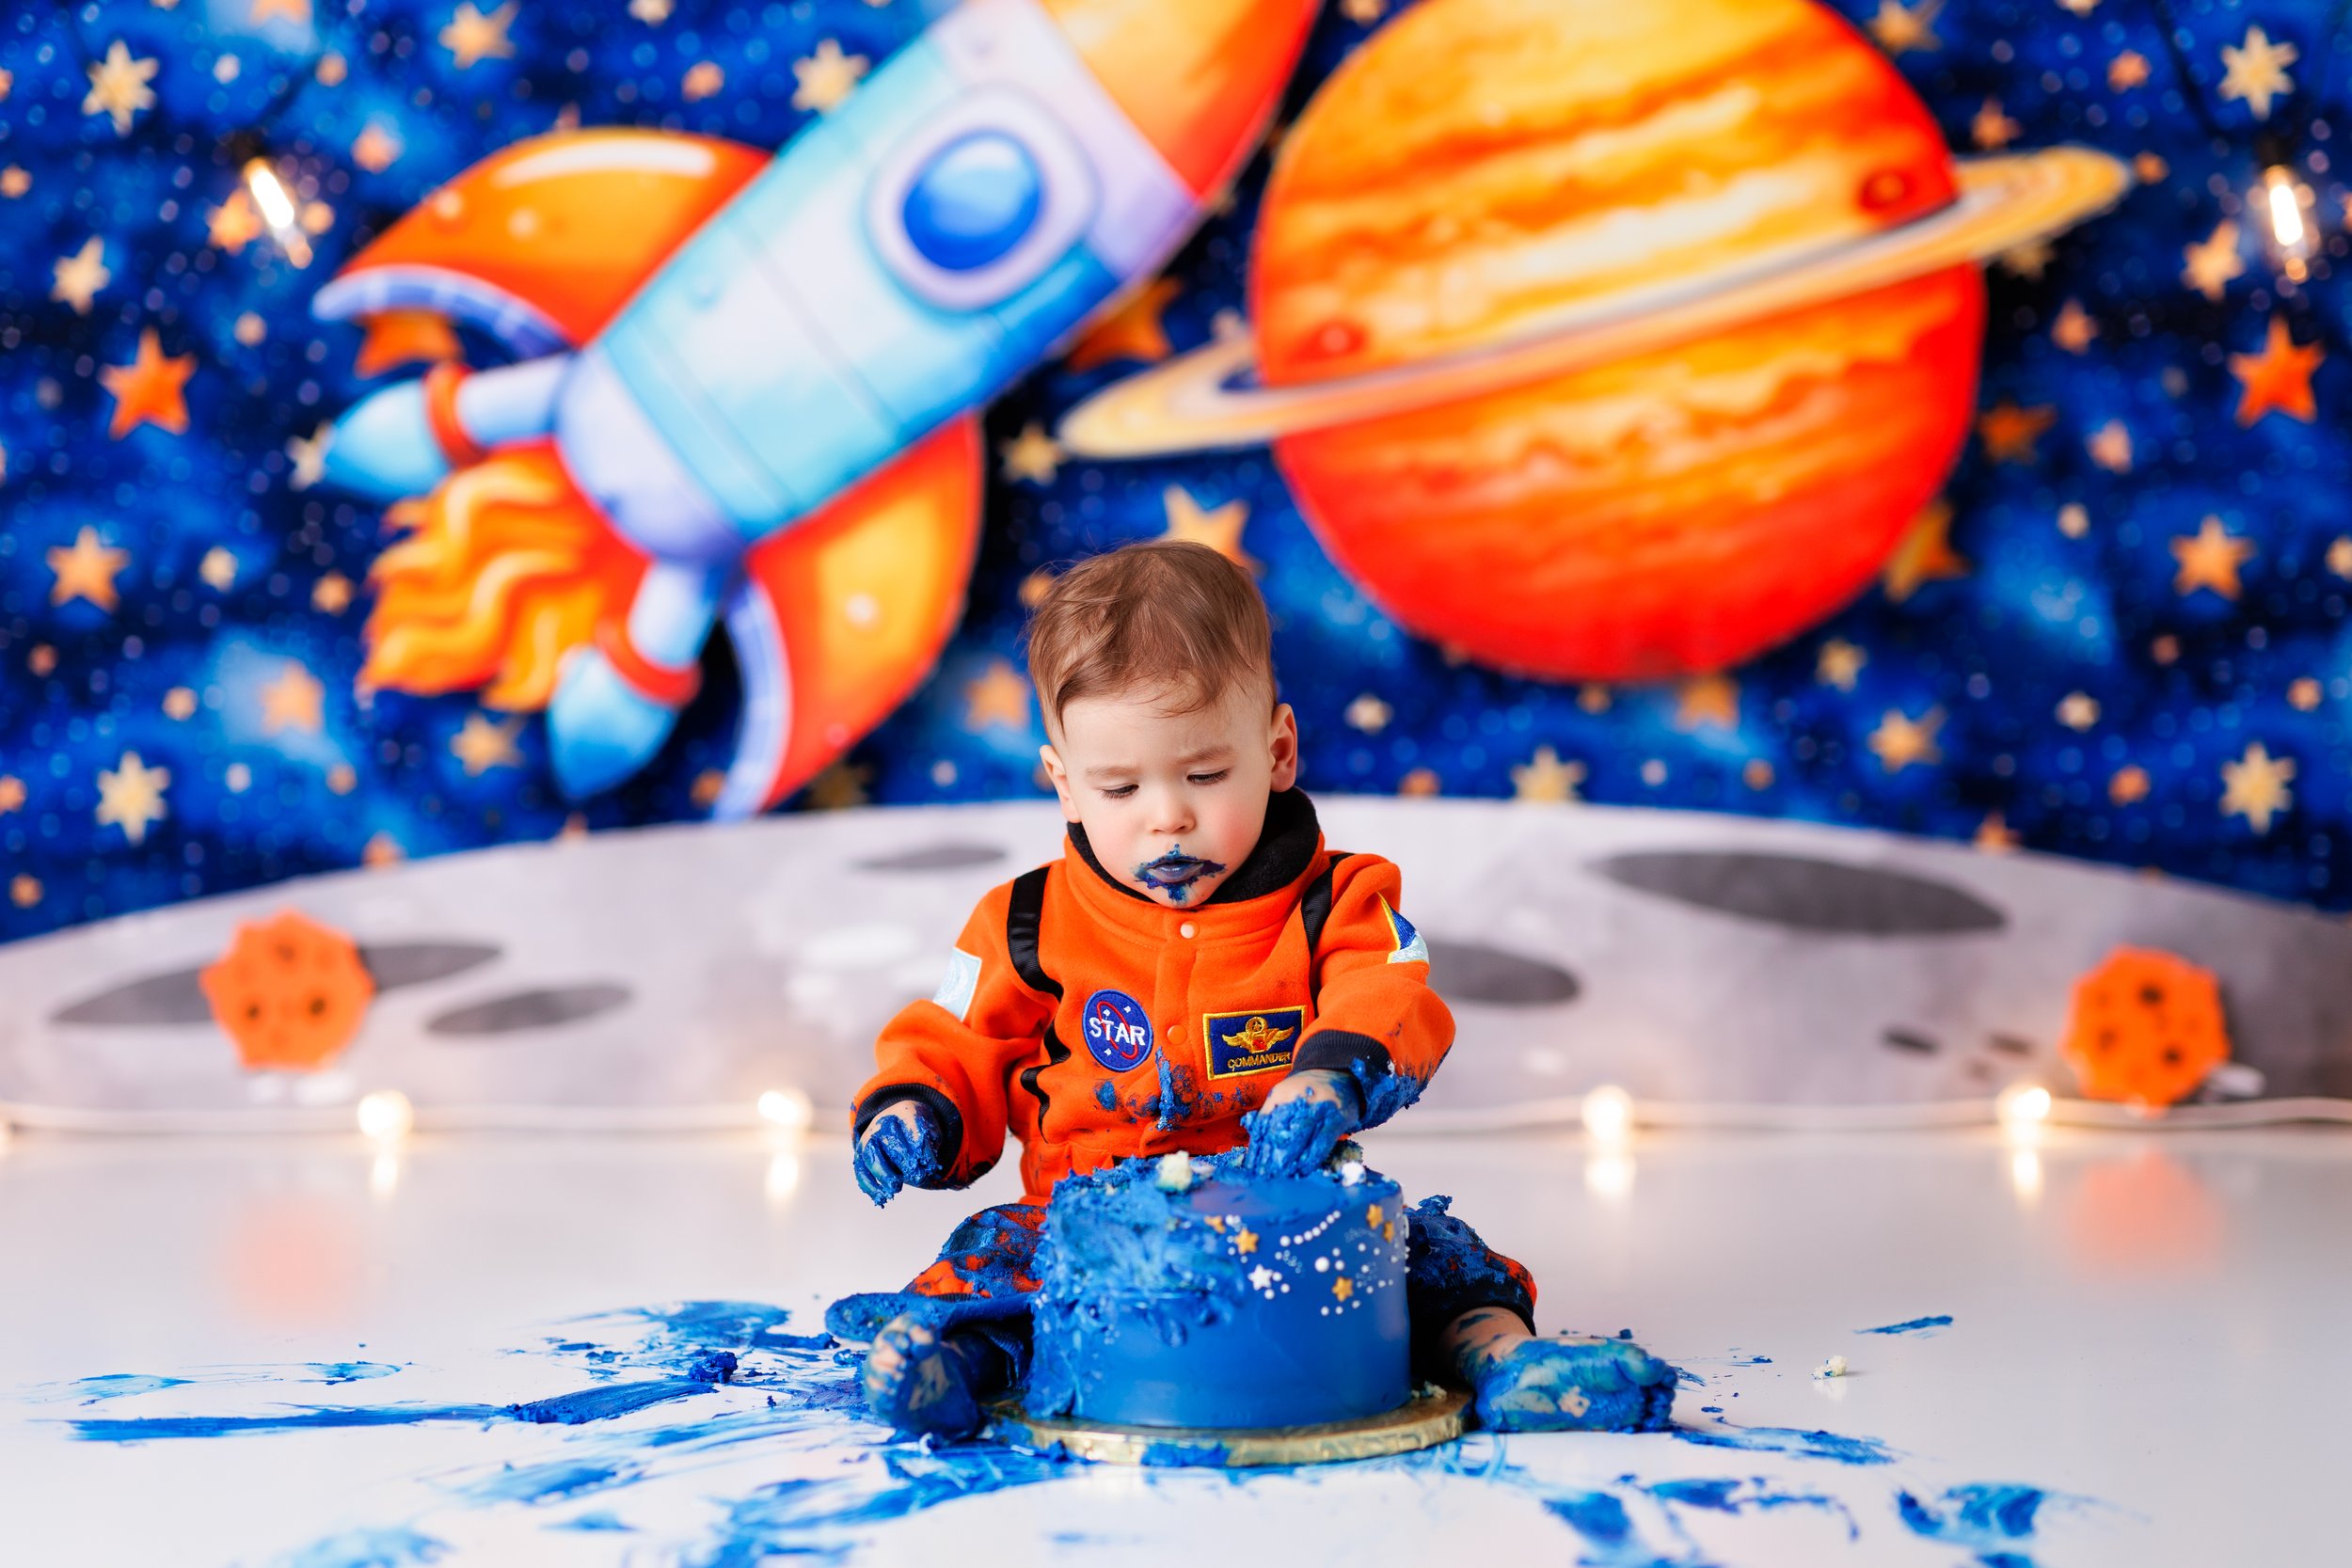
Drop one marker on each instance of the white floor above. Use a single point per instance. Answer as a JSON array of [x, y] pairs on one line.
[[2154, 1330]]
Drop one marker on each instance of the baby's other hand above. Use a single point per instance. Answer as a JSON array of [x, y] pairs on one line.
[[1301, 1122], [900, 1148]]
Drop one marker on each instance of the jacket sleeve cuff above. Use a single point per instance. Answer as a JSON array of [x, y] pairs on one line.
[[939, 1105]]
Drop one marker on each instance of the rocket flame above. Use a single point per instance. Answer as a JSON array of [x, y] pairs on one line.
[[506, 568]]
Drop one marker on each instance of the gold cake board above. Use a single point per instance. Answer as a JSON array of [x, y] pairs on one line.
[[1431, 1417]]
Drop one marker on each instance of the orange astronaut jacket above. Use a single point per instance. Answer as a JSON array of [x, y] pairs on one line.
[[1091, 1022]]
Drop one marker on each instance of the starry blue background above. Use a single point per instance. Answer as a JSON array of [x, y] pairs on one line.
[[2183, 682]]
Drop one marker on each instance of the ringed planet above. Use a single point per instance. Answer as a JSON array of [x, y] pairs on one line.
[[1610, 342]]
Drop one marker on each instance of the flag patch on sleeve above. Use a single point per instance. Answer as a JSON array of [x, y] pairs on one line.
[[962, 980], [1410, 949]]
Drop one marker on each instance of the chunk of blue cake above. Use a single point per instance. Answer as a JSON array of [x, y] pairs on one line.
[[1186, 1292]]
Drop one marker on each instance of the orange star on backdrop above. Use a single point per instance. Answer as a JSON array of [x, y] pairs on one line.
[[999, 695], [1900, 740], [376, 148], [12, 794], [2126, 70], [148, 390], [1707, 700], [2110, 447], [2279, 377], [2210, 558], [404, 336], [294, 701], [2129, 787], [87, 570], [1134, 331], [1925, 555], [1900, 29], [704, 79], [1991, 130], [2073, 329], [292, 10], [234, 224], [1839, 663], [1994, 836], [1218, 527], [2009, 431]]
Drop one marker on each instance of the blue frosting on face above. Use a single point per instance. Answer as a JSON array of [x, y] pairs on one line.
[[1236, 1303]]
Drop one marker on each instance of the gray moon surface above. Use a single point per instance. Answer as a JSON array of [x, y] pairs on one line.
[[678, 971]]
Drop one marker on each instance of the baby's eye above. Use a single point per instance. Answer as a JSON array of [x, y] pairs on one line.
[[1120, 792], [1210, 777]]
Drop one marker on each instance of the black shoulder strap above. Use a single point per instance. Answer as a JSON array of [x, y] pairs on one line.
[[1022, 922], [1315, 905]]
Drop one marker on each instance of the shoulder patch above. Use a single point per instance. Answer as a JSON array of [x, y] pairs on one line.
[[1410, 949], [962, 980]]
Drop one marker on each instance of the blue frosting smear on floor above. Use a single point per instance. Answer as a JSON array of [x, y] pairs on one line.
[[710, 1434]]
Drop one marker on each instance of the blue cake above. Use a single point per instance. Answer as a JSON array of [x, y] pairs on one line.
[[1189, 1293]]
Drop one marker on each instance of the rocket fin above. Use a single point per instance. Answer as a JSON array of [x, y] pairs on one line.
[[840, 616], [526, 245]]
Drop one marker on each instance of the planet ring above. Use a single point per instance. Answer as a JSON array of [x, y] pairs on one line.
[[1190, 404]]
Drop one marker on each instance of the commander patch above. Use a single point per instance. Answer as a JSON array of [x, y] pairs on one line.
[[1252, 1039]]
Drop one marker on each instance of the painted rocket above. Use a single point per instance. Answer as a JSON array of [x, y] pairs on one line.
[[727, 354]]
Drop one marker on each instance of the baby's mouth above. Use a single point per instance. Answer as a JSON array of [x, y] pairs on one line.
[[1174, 873]]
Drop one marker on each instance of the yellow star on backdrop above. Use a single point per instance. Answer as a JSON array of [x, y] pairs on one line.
[[999, 695], [2126, 70], [342, 779], [2210, 558], [1994, 836], [1032, 455], [1992, 128], [482, 745], [471, 36], [1900, 29], [292, 10], [1363, 12], [1839, 663], [309, 456], [2279, 377], [180, 704], [1707, 700], [1368, 714], [11, 793], [2258, 71], [131, 796], [2303, 694], [2129, 787], [1133, 331], [2009, 431], [234, 224], [827, 77], [332, 69], [294, 701], [1545, 779], [80, 275], [2080, 7], [2074, 519], [1592, 697], [42, 660], [1420, 782], [1758, 774], [2255, 786], [2210, 263], [1034, 587], [2078, 710], [376, 148], [219, 569], [250, 330], [25, 892], [2030, 259], [1900, 740], [150, 390], [708, 785], [2073, 329], [14, 181], [704, 79], [653, 13], [1924, 555], [1219, 527], [117, 86], [331, 593], [87, 570], [8, 85], [2110, 447], [382, 850]]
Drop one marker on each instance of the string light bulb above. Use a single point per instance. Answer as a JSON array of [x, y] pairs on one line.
[[2022, 1106], [1608, 1112], [276, 206], [2282, 199], [385, 1114]]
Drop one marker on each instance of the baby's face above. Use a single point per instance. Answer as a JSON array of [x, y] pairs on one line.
[[1173, 802]]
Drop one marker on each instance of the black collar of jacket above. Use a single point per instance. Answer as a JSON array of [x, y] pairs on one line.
[[1285, 845]]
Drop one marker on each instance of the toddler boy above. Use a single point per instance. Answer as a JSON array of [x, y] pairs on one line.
[[1198, 971]]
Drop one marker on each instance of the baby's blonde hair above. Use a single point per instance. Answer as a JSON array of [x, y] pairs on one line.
[[1166, 617]]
